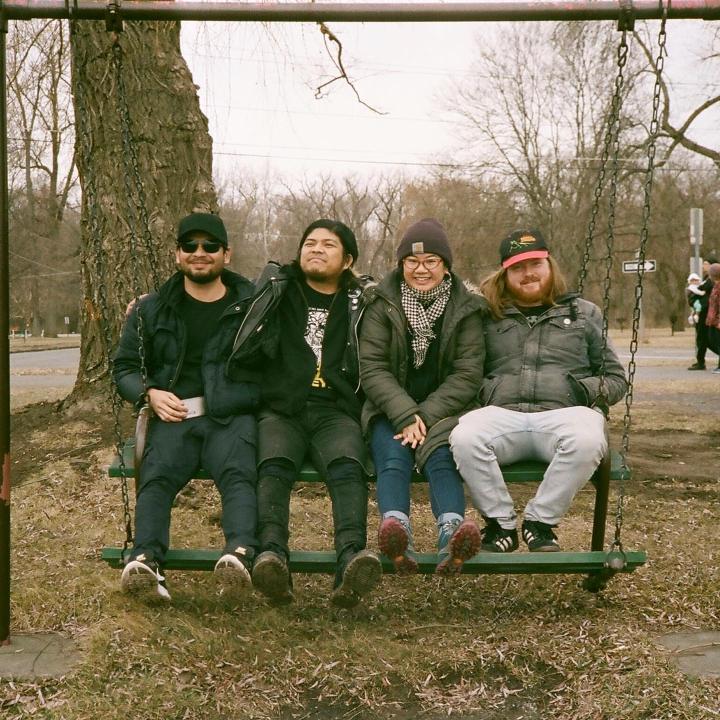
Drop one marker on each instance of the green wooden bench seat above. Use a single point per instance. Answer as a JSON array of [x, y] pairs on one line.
[[592, 563]]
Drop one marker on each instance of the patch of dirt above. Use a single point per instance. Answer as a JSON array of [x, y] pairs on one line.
[[81, 429]]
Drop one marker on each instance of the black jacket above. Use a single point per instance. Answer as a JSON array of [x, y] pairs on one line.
[[164, 342], [284, 360], [706, 285]]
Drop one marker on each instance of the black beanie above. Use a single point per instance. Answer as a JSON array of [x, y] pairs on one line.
[[346, 235], [425, 236]]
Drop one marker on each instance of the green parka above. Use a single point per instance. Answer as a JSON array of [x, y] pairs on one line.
[[385, 353]]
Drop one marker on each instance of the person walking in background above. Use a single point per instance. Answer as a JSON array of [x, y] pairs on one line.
[[700, 293], [421, 361], [712, 320]]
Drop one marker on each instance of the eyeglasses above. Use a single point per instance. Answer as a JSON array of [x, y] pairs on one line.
[[431, 263], [209, 247]]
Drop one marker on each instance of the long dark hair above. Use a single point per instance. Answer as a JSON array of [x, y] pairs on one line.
[[346, 235]]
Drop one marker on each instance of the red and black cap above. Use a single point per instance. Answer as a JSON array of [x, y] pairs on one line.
[[522, 245]]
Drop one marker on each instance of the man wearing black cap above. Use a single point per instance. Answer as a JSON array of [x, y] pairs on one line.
[[172, 357], [549, 381], [301, 335]]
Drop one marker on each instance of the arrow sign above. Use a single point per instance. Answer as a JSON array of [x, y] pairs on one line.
[[632, 266]]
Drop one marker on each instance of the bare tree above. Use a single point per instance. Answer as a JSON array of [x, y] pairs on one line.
[[174, 169], [534, 118], [678, 134], [40, 122]]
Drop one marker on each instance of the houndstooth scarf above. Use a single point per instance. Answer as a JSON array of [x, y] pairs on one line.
[[422, 309]]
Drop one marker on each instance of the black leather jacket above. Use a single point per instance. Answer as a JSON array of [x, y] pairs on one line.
[[258, 337], [164, 343]]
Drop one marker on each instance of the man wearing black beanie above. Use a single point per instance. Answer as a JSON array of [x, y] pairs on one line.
[[300, 336]]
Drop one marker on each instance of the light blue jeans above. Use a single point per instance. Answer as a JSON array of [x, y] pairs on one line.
[[572, 440]]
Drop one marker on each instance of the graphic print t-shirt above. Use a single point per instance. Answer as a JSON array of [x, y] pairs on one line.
[[318, 312]]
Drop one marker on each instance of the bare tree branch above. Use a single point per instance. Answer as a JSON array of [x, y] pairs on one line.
[[678, 135], [329, 35]]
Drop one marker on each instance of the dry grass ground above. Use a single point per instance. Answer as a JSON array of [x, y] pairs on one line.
[[491, 647]]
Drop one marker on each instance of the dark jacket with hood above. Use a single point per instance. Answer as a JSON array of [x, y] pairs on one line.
[[164, 344], [385, 354], [271, 341]]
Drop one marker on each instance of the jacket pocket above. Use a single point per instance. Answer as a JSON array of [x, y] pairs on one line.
[[579, 392]]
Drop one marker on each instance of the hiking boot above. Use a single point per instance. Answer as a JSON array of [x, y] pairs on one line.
[[458, 541], [697, 366], [496, 538], [232, 570], [539, 536], [142, 578], [271, 577], [395, 542], [361, 574]]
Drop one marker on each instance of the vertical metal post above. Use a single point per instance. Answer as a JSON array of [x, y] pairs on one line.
[[696, 239], [4, 351]]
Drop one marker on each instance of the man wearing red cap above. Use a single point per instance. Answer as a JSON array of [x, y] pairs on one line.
[[549, 381]]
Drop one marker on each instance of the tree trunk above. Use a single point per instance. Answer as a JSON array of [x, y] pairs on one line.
[[174, 162]]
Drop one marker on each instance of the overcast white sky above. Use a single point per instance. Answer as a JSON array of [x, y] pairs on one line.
[[257, 87]]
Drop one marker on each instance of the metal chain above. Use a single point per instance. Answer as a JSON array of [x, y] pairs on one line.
[[622, 55], [101, 277], [644, 233], [611, 132], [134, 188]]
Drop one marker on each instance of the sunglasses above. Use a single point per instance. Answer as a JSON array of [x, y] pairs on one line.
[[209, 247]]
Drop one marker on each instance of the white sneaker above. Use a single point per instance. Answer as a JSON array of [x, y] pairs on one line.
[[142, 578], [232, 571]]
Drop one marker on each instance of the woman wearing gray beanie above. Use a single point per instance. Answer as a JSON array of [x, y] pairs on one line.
[[421, 361]]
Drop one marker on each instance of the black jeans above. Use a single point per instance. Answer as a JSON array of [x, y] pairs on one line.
[[335, 444], [701, 339], [174, 453]]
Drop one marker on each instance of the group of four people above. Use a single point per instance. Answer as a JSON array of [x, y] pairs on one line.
[[313, 360]]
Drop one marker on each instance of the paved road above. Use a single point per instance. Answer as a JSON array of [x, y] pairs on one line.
[[57, 368], [48, 368]]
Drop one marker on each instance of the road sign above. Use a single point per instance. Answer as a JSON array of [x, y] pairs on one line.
[[631, 266]]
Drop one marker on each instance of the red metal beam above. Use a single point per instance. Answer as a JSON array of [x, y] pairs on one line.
[[360, 12]]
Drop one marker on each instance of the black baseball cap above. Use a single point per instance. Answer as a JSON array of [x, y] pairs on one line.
[[203, 222]]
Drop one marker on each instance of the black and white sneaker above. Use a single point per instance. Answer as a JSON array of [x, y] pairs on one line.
[[496, 538], [143, 578], [539, 536], [360, 576], [232, 570]]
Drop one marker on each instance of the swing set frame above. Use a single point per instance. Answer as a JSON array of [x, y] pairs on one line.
[[114, 13]]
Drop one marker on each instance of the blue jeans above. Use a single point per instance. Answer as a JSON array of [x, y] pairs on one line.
[[394, 466]]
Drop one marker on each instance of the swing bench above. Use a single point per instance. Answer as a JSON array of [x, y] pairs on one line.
[[597, 564], [594, 562]]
